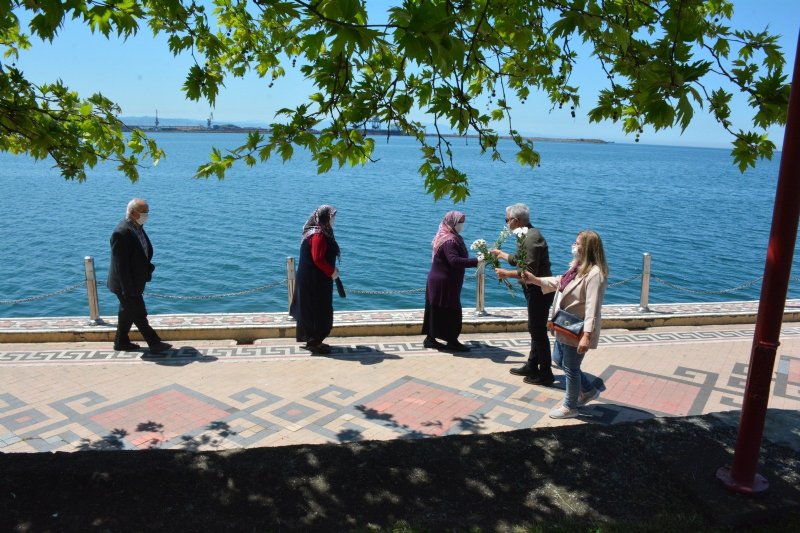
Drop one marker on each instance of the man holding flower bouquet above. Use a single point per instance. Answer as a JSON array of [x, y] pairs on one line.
[[532, 255]]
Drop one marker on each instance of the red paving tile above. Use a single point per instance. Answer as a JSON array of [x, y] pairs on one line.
[[794, 371], [424, 408], [174, 412], [651, 393]]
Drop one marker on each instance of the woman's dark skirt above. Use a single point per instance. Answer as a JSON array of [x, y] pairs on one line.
[[442, 322]]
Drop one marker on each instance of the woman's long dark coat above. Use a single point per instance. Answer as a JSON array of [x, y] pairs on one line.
[[312, 305]]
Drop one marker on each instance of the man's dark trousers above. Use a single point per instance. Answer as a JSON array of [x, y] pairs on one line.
[[538, 313], [133, 311]]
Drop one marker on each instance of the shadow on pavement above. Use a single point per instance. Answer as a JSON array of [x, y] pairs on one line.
[[185, 355], [153, 433], [659, 472], [362, 353], [496, 354]]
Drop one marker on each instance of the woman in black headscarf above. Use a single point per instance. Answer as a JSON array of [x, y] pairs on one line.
[[312, 305]]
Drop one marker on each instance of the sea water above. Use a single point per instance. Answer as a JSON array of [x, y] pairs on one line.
[[705, 224]]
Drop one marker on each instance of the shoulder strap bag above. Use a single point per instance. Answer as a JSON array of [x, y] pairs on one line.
[[566, 323]]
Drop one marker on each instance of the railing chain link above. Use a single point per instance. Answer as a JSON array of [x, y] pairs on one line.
[[698, 291], [627, 280], [396, 291], [44, 296], [217, 296]]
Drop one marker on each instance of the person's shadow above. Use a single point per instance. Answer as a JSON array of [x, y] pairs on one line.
[[182, 356], [360, 353], [483, 350]]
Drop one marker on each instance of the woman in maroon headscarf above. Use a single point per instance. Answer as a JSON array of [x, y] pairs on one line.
[[443, 291], [312, 305]]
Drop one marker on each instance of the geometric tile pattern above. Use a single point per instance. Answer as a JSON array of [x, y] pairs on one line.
[[22, 419], [177, 417], [254, 412], [294, 412], [292, 350]]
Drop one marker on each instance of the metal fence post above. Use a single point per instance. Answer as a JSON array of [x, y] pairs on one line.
[[480, 292], [645, 294], [91, 291], [290, 279]]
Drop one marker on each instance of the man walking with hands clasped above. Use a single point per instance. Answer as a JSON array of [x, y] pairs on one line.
[[129, 271], [537, 370]]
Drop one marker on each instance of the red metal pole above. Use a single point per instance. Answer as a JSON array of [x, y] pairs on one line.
[[742, 476]]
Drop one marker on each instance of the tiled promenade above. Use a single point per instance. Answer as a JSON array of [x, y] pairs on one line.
[[215, 394]]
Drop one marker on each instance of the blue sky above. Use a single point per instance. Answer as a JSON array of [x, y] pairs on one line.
[[143, 76]]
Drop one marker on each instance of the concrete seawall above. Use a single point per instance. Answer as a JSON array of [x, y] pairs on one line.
[[247, 327]]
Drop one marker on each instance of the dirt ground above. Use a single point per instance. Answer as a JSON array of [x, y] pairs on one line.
[[645, 475]]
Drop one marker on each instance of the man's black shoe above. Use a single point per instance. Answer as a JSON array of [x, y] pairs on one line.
[[160, 348], [525, 370], [543, 380], [455, 346], [432, 343], [128, 347]]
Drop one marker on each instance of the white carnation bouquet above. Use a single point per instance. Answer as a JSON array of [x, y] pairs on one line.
[[482, 249]]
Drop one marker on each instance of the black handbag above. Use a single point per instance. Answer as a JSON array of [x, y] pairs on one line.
[[568, 324]]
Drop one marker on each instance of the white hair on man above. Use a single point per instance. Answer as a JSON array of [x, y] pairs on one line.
[[520, 212], [134, 204]]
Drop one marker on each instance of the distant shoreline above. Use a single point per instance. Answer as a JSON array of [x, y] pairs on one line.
[[372, 132]]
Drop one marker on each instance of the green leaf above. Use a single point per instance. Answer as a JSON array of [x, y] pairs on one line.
[[324, 163], [286, 150]]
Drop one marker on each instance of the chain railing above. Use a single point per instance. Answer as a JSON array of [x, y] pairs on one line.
[[218, 296], [644, 275], [387, 291], [625, 281], [44, 296], [738, 288]]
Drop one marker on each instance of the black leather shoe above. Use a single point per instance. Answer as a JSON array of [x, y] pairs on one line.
[[455, 346], [525, 370], [543, 380], [432, 343], [128, 347], [160, 348]]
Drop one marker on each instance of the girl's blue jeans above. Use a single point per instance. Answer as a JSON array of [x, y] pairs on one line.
[[568, 358]]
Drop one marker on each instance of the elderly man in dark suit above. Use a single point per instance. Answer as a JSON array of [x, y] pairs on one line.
[[130, 270]]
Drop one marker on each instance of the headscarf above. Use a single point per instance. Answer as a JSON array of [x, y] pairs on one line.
[[447, 230], [320, 222]]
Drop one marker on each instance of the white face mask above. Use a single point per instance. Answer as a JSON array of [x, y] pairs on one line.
[[142, 218], [574, 251], [460, 227]]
